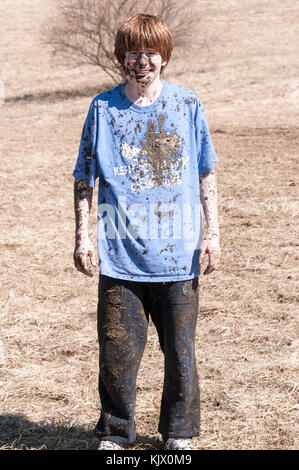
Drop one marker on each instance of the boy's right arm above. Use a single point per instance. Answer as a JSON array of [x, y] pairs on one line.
[[210, 243], [83, 246]]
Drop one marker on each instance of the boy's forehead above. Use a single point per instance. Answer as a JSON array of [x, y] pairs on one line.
[[139, 45], [145, 50]]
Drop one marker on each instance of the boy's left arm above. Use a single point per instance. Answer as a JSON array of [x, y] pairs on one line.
[[211, 242]]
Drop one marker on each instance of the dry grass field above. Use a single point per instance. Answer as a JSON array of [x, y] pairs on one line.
[[246, 332]]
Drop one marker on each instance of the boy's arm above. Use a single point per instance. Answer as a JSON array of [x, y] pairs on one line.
[[83, 246], [210, 243]]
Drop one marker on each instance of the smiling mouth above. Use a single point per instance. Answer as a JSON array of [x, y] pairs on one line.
[[142, 72]]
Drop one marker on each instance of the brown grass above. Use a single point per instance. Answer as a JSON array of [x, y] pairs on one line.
[[246, 333]]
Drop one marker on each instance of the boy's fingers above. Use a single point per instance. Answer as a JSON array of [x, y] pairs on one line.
[[206, 271], [81, 265], [209, 269], [215, 259], [85, 267], [93, 259], [86, 271], [213, 263], [203, 249]]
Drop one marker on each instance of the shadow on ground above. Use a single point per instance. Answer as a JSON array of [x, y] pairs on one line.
[[18, 433], [58, 95]]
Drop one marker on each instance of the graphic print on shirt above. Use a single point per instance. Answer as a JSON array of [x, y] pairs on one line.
[[158, 162]]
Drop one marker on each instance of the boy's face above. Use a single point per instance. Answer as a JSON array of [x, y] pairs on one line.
[[143, 66]]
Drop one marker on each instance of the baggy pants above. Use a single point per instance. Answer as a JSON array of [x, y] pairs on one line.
[[123, 315]]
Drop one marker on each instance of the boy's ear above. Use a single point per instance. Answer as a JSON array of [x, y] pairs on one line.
[[164, 63]]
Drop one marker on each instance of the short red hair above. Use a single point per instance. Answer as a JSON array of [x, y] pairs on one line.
[[143, 32]]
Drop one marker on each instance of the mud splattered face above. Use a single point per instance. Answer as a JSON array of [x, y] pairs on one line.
[[143, 66]]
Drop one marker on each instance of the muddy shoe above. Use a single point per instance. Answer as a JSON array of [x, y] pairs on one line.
[[179, 444], [114, 443]]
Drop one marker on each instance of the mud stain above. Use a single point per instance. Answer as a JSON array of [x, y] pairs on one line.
[[161, 149], [190, 100]]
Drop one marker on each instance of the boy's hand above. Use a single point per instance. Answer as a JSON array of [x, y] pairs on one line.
[[84, 250], [210, 245]]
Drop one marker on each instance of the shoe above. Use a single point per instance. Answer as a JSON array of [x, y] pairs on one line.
[[109, 445], [179, 444]]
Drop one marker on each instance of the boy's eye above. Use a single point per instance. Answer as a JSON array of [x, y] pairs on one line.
[[135, 55], [132, 54]]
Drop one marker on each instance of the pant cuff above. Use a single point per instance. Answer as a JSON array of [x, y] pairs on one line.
[[109, 426]]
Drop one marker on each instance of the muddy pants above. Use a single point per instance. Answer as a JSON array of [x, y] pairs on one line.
[[123, 315]]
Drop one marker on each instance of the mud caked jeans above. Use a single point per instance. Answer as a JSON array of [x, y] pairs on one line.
[[123, 315]]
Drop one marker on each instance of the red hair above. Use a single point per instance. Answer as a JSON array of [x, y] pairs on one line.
[[143, 32]]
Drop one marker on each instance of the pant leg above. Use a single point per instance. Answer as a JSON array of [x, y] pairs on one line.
[[174, 312], [122, 332]]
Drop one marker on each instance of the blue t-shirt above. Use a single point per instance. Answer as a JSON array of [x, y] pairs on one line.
[[148, 160]]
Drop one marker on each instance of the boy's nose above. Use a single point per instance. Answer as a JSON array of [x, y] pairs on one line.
[[143, 58]]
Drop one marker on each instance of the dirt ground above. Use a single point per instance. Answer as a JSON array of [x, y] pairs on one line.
[[246, 333]]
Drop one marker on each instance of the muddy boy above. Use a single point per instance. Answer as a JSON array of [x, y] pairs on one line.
[[148, 143]]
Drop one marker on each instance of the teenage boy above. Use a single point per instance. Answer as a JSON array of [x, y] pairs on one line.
[[148, 142]]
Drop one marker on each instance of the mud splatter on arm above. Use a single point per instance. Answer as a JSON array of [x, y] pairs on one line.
[[82, 204], [209, 201], [83, 246], [208, 198]]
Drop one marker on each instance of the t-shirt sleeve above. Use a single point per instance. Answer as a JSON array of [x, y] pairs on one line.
[[206, 154], [86, 166]]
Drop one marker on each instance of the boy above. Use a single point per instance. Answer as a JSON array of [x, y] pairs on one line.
[[148, 142]]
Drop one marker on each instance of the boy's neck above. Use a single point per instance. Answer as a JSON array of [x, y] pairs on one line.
[[143, 95]]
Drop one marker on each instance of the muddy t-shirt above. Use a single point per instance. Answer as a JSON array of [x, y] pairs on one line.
[[148, 160]]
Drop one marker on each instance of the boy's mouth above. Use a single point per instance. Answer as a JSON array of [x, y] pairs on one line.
[[142, 72], [143, 67]]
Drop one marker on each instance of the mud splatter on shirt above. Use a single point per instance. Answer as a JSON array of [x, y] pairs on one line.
[[148, 160]]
